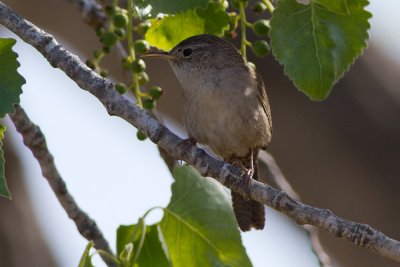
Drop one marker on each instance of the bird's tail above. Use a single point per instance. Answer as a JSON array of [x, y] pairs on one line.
[[249, 213]]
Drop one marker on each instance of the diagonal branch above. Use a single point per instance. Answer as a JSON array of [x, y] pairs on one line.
[[36, 142], [274, 172], [276, 176], [116, 105]]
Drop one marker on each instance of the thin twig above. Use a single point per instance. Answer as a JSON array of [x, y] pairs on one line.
[[36, 142], [276, 176], [116, 105]]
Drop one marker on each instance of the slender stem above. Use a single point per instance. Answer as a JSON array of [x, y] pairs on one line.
[[269, 5], [243, 29], [141, 241], [135, 82]]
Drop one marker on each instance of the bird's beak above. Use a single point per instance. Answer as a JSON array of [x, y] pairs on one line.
[[159, 54]]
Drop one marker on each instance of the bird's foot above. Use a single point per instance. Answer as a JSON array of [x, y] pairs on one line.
[[247, 174], [186, 143]]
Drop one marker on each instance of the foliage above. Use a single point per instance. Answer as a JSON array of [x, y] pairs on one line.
[[86, 259], [198, 221], [317, 42], [10, 80], [4, 192], [212, 20], [10, 89]]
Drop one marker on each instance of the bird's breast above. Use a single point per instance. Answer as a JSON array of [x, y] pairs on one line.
[[225, 114]]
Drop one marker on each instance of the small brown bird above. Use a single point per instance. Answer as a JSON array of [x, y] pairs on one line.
[[225, 107]]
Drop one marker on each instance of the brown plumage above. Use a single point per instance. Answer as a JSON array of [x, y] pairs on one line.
[[225, 107]]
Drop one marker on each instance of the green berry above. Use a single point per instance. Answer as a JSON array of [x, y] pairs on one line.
[[90, 64], [126, 62], [138, 66], [109, 39], [104, 73], [100, 31], [148, 104], [260, 48], [121, 88], [143, 27], [156, 92], [141, 46], [141, 136], [261, 27], [109, 10], [97, 53], [143, 78], [259, 7], [120, 33], [106, 49], [120, 20]]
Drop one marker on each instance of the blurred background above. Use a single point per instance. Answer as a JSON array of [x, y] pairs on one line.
[[341, 154]]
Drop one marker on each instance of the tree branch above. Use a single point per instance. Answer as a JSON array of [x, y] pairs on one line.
[[36, 142], [276, 176], [116, 105]]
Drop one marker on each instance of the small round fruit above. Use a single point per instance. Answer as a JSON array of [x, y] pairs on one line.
[[259, 7], [121, 88], [261, 27], [260, 48], [109, 10], [156, 92], [100, 31], [143, 27], [138, 66], [104, 73], [109, 39], [148, 104], [126, 62], [120, 20], [141, 46], [141, 136], [90, 64], [120, 33], [143, 78]]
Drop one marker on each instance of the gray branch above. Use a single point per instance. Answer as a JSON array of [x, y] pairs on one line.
[[276, 176], [36, 142], [361, 235]]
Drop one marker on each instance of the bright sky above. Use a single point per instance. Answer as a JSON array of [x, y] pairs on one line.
[[116, 178]]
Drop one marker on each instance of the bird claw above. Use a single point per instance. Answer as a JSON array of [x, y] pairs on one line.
[[247, 174], [186, 143]]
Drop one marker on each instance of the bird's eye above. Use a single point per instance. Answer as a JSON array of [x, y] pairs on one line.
[[187, 52]]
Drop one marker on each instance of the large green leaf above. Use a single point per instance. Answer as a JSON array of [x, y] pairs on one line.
[[4, 192], [317, 42], [155, 7], [10, 80], [153, 252], [199, 226], [167, 32]]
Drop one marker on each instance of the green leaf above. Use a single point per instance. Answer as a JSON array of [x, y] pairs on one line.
[[155, 7], [4, 192], [153, 253], [167, 32], [199, 226], [317, 42], [86, 259], [10, 80]]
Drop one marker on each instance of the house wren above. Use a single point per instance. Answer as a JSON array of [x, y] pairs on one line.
[[225, 107]]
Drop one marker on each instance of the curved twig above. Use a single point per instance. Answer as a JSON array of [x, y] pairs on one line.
[[36, 142]]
